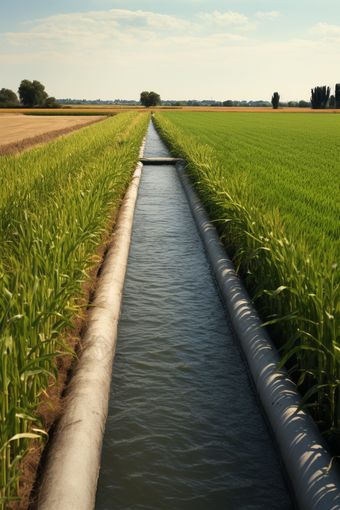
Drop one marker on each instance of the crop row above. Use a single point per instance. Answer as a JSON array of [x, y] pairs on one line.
[[270, 184], [289, 161], [57, 203]]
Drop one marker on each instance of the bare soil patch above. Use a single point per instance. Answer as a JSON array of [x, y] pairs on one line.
[[19, 132]]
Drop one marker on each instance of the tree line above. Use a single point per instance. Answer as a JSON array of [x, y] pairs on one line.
[[321, 98], [31, 94]]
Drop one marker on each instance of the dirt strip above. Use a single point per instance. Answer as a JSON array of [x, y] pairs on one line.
[[21, 142]]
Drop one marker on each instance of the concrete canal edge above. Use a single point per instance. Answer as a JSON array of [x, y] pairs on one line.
[[302, 449], [73, 461]]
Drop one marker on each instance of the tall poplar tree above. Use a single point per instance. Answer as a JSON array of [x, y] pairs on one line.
[[337, 96], [319, 97], [275, 100]]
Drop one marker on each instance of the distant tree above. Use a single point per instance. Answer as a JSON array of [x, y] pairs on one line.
[[144, 98], [150, 99], [32, 93], [275, 100], [304, 104], [8, 99], [229, 102], [319, 97], [50, 102], [180, 103], [292, 104], [155, 99], [337, 95], [332, 102]]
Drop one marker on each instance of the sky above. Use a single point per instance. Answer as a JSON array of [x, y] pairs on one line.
[[181, 49]]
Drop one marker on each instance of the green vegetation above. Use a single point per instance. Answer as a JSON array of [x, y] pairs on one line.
[[270, 182], [8, 99], [57, 202], [32, 93], [150, 99], [275, 100], [337, 95], [320, 97]]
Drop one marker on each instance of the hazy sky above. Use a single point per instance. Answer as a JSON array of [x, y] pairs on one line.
[[182, 49]]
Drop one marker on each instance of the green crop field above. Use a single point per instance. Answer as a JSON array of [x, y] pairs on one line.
[[57, 201], [290, 162], [271, 185]]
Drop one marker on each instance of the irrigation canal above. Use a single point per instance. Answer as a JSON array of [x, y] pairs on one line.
[[185, 429]]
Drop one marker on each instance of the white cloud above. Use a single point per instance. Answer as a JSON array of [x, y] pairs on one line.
[[331, 40], [220, 38], [121, 17], [49, 35], [324, 29], [43, 58], [192, 44], [268, 15], [76, 31], [229, 18]]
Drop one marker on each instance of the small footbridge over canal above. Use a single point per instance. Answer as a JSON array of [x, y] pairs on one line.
[[185, 429]]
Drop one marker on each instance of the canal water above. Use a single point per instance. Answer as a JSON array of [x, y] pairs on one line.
[[185, 430]]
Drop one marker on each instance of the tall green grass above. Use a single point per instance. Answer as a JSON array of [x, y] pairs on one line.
[[56, 202], [290, 270]]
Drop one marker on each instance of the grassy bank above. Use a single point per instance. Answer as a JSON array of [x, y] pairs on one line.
[[270, 184], [57, 203]]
